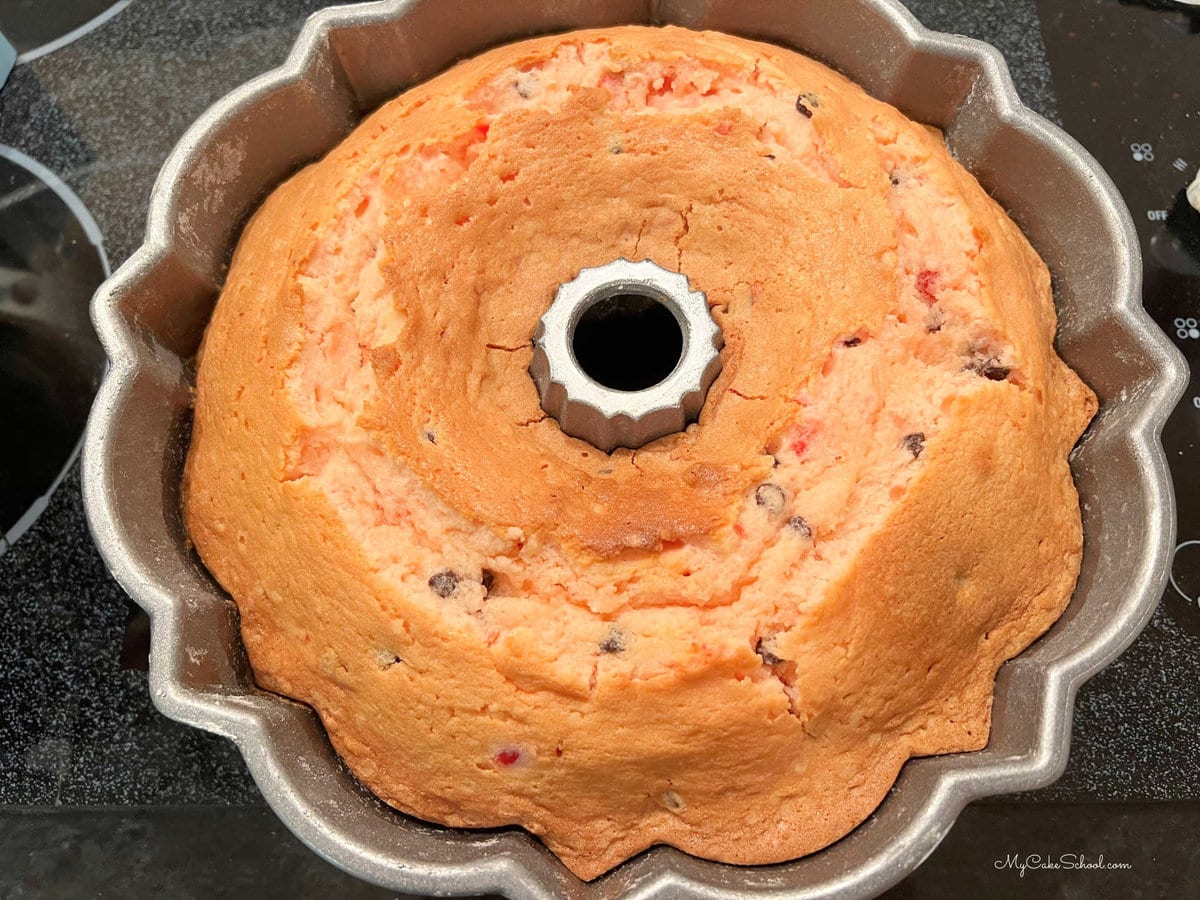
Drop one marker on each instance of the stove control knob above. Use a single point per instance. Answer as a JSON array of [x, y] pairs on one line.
[[1177, 247]]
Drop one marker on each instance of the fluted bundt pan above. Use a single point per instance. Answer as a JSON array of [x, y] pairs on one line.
[[151, 315]]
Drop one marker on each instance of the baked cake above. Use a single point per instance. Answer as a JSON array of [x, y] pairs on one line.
[[731, 639]]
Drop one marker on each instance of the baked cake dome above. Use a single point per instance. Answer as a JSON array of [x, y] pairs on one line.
[[731, 638]]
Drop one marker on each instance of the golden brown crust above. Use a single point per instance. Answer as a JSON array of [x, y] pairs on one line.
[[325, 512]]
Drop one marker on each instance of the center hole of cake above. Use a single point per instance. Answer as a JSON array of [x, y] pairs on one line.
[[628, 341]]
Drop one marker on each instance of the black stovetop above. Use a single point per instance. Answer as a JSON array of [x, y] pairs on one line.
[[98, 792]]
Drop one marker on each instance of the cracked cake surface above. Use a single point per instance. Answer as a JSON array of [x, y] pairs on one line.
[[731, 639]]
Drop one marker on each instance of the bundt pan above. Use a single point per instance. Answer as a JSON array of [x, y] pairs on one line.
[[151, 315]]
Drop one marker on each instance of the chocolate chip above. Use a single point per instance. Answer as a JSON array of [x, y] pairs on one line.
[[852, 342], [801, 527], [895, 181], [672, 801], [764, 647], [989, 368], [525, 84], [806, 103], [444, 583], [613, 643], [387, 659], [914, 443], [429, 436], [770, 156], [488, 579], [770, 497]]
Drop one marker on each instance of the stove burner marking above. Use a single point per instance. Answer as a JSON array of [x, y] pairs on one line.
[[1174, 583], [74, 34], [1142, 152], [1187, 329], [10, 533]]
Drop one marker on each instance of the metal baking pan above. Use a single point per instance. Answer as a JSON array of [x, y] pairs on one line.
[[151, 314]]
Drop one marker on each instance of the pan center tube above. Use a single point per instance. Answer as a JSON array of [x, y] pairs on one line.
[[625, 354]]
